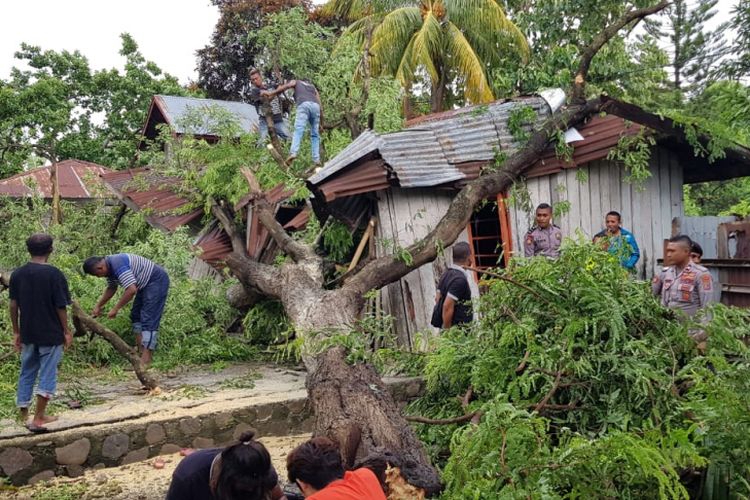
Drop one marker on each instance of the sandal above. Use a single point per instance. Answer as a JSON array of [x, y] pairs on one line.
[[37, 429]]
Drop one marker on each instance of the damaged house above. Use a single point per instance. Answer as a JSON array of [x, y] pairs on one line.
[[407, 179]]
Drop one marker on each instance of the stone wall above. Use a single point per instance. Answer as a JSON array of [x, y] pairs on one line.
[[28, 459]]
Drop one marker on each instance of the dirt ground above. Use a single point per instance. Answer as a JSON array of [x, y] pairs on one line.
[[138, 481]]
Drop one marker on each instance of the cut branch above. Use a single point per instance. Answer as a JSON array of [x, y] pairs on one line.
[[588, 53], [120, 346], [442, 421]]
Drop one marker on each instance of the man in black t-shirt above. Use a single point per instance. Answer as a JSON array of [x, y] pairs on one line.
[[454, 291], [39, 297]]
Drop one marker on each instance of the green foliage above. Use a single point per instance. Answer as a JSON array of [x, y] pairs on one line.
[[445, 44], [520, 123], [266, 323], [50, 110], [223, 64], [338, 241], [587, 388], [634, 151], [695, 51], [292, 44]]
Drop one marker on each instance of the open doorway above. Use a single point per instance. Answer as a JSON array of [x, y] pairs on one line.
[[489, 235]]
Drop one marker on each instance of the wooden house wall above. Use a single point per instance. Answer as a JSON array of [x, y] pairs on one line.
[[647, 211], [405, 216]]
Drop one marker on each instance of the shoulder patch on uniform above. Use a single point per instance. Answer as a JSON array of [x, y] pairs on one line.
[[706, 282]]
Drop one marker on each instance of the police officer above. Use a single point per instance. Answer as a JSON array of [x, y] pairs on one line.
[[684, 286], [544, 238]]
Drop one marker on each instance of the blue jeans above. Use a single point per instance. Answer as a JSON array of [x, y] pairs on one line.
[[279, 127], [307, 112], [39, 360], [148, 308]]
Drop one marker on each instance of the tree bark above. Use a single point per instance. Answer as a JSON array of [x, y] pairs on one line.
[[353, 407]]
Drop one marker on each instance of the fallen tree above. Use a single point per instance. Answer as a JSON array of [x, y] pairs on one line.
[[83, 321], [350, 402]]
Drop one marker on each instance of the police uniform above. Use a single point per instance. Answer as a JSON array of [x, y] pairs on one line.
[[687, 290], [545, 241]]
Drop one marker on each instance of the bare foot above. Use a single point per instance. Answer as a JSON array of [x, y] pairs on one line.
[[47, 419], [23, 415]]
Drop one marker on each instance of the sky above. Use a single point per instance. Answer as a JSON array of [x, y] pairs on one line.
[[168, 32]]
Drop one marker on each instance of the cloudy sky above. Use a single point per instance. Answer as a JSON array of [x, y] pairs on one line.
[[167, 31]]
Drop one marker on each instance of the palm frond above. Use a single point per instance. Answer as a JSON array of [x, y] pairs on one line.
[[463, 58], [427, 47], [391, 38], [487, 27]]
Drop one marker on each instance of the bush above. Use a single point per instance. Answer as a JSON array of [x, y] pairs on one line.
[[587, 388]]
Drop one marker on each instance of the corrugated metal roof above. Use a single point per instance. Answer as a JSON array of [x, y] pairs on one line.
[[175, 109], [143, 189], [600, 135], [77, 179], [370, 176], [427, 152], [367, 143]]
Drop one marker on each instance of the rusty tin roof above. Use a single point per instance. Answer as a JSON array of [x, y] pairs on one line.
[[78, 180]]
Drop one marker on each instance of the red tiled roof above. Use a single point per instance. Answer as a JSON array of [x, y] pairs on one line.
[[78, 180]]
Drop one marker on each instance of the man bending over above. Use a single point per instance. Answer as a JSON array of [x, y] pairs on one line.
[[139, 278]]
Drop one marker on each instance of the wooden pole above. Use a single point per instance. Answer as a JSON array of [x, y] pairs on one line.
[[362, 243]]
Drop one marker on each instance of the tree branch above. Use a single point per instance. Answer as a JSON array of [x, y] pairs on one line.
[[227, 222], [120, 346], [551, 392], [514, 282], [442, 421], [588, 53], [266, 279]]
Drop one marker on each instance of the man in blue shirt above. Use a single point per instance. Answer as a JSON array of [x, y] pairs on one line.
[[139, 278], [619, 241]]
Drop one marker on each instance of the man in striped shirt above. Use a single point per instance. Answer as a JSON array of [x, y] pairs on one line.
[[139, 278]]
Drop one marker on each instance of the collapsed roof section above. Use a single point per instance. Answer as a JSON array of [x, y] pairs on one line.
[[167, 208]]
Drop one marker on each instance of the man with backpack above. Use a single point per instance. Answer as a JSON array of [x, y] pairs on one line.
[[453, 298]]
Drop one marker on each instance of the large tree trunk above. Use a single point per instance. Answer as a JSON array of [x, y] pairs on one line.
[[353, 406], [350, 402]]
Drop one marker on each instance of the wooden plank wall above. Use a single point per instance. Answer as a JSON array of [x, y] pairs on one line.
[[404, 216], [647, 210]]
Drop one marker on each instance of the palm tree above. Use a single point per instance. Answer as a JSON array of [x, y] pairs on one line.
[[453, 41]]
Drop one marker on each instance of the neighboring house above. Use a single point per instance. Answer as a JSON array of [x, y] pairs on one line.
[[174, 111], [408, 179], [78, 181]]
